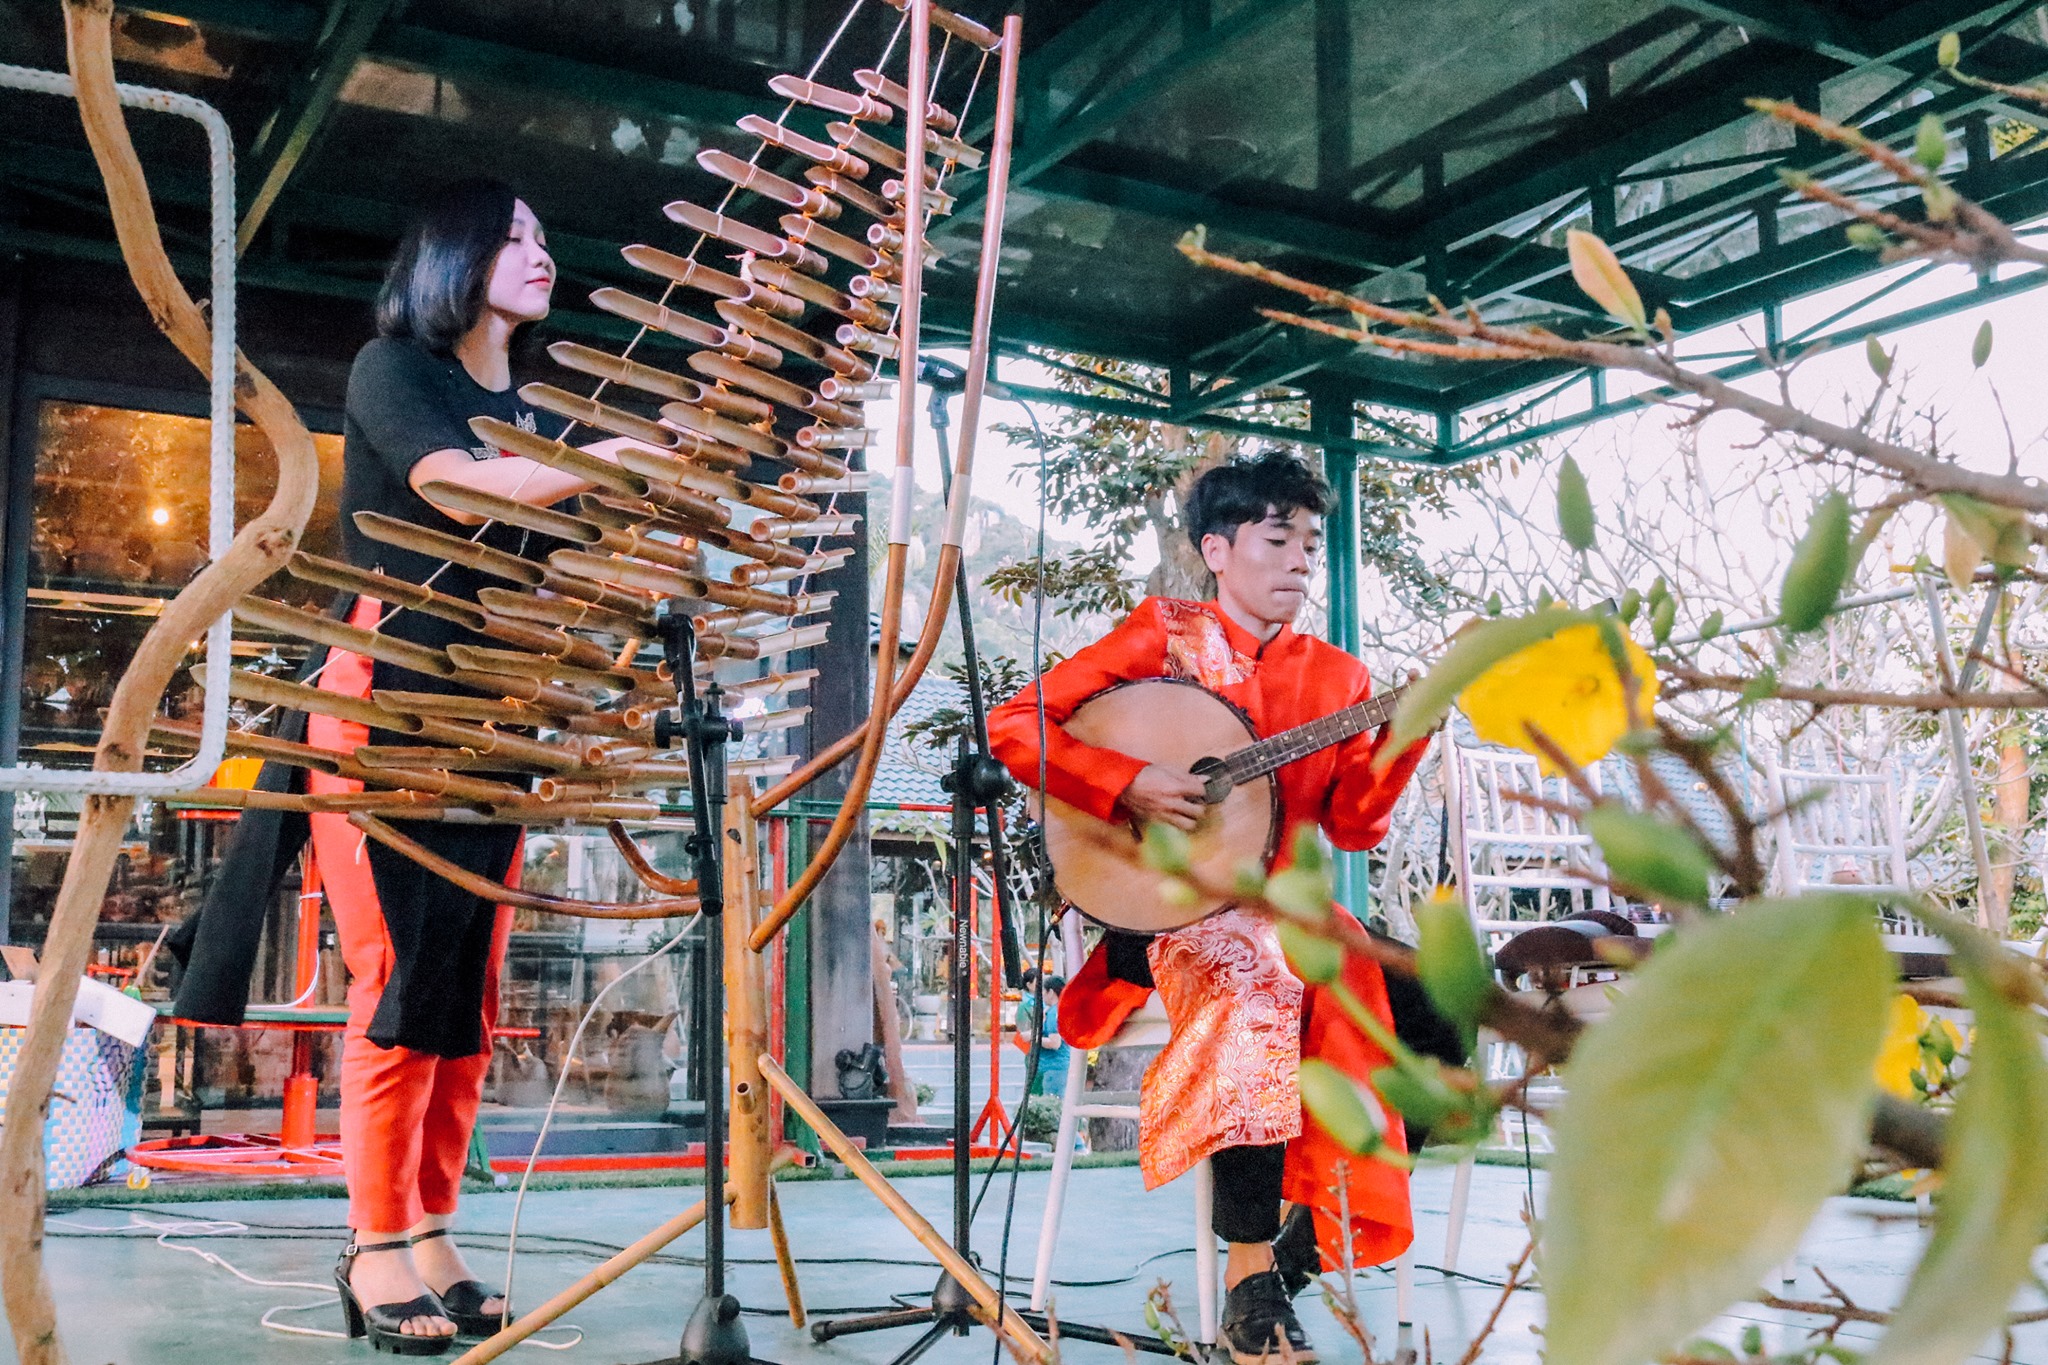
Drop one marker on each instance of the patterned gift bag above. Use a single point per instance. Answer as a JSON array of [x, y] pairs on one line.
[[95, 1107]]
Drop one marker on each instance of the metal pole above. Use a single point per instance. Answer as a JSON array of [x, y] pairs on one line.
[[1330, 416]]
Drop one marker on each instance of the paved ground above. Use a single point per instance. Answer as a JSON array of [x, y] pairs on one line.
[[126, 1298]]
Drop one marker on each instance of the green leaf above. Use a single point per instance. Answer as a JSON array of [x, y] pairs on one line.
[[1980, 349], [1451, 965], [1819, 567], [1865, 237], [1493, 604], [1415, 1098], [1650, 854], [1979, 530], [1315, 959], [1663, 616], [1930, 142], [1994, 1190], [1880, 359], [1597, 271], [1428, 700], [1574, 506], [1301, 893], [1752, 1340], [1164, 848], [1762, 687], [1711, 627], [1631, 603], [1707, 1119], [1939, 200], [1334, 1101], [1659, 590], [1949, 51]]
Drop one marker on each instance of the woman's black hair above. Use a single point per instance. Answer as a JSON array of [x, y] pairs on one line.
[[434, 291], [1228, 496]]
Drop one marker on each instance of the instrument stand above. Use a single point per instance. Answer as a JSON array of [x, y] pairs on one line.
[[976, 781], [714, 1334]]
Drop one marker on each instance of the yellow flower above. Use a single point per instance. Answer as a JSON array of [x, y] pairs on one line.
[[1900, 1056], [1567, 687]]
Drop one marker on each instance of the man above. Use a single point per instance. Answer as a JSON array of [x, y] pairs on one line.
[[1043, 1036], [1225, 1086]]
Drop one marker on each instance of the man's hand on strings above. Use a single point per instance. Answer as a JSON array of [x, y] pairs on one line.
[[1160, 793]]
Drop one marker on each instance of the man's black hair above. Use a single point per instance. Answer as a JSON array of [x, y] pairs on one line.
[[435, 288], [1243, 491]]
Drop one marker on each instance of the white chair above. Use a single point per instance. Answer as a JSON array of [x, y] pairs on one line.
[[1147, 1028], [1843, 830], [1503, 845]]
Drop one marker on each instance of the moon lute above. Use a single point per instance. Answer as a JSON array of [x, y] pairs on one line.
[[1096, 864]]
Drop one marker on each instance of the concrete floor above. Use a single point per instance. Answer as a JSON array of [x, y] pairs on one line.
[[126, 1298]]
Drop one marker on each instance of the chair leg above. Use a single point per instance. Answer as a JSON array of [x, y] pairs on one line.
[[1461, 1195], [1404, 1296], [1056, 1191], [1206, 1308]]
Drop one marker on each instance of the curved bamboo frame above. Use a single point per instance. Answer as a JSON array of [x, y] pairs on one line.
[[890, 693], [478, 885], [260, 549]]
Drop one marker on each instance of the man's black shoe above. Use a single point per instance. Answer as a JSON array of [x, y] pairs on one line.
[[1296, 1257], [1259, 1325]]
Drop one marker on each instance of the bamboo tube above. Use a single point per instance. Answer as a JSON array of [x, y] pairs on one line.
[[724, 430], [469, 554], [430, 781], [435, 756], [781, 528], [772, 330], [672, 584], [714, 484], [727, 370], [767, 646], [876, 288], [701, 450], [774, 722], [402, 805], [659, 318], [743, 235], [758, 575], [773, 685], [487, 739], [632, 373], [767, 551], [954, 150], [305, 625], [611, 1271], [554, 789], [880, 86], [778, 1236], [958, 25], [833, 414], [556, 700], [892, 190], [772, 301], [735, 622], [836, 438], [449, 706], [332, 573], [689, 274], [501, 894], [294, 696], [810, 232], [691, 490], [824, 153], [750, 1143], [542, 667], [779, 276], [590, 412], [862, 143], [851, 390], [559, 454], [568, 614], [460, 498], [536, 812], [994, 1311], [861, 339], [767, 184], [830, 99], [838, 186], [888, 700]]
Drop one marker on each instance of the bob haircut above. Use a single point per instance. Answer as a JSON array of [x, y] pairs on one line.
[[434, 291], [1230, 495]]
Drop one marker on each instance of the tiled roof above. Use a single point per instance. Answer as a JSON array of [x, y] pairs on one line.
[[909, 775]]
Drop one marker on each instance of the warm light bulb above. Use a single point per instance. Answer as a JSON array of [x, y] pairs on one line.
[[161, 516]]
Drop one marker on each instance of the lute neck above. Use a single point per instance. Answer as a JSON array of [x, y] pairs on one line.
[[1277, 751]]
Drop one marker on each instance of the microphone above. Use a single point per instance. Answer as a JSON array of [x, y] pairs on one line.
[[946, 377]]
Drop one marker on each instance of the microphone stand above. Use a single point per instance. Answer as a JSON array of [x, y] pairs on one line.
[[714, 1334]]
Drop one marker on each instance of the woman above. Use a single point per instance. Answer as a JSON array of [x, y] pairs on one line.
[[422, 955]]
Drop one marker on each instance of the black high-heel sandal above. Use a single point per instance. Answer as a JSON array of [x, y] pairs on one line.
[[384, 1323], [462, 1303]]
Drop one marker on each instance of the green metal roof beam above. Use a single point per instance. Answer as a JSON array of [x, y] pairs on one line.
[[1150, 412], [1038, 152], [289, 133]]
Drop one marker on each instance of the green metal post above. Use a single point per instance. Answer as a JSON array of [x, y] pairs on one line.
[[796, 981], [1330, 415]]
